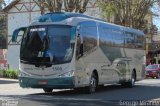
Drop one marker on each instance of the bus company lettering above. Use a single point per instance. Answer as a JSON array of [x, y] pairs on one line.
[[57, 68], [28, 68]]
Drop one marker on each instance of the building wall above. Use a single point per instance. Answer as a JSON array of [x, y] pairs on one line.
[[22, 14]]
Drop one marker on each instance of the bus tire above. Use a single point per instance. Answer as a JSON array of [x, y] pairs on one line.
[[93, 84], [47, 90]]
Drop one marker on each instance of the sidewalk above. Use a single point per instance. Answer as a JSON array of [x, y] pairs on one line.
[[7, 79]]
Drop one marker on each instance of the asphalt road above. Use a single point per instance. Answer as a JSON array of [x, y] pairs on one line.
[[146, 92]]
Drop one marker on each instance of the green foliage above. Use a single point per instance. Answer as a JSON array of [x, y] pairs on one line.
[[1, 73], [2, 4], [108, 9], [3, 44], [127, 12], [56, 5], [9, 73]]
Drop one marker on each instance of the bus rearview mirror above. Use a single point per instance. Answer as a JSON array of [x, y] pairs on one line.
[[16, 32]]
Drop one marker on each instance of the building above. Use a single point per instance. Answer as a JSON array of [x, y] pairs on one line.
[[152, 39], [21, 13]]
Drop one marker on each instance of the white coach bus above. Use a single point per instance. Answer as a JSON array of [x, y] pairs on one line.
[[69, 50]]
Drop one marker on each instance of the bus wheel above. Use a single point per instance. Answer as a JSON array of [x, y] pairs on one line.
[[93, 84], [47, 90], [131, 83]]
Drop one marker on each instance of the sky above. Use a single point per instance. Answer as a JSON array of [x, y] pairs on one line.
[[156, 19], [8, 1]]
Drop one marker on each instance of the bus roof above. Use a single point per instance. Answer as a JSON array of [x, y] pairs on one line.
[[55, 17], [59, 16], [119, 27], [131, 30]]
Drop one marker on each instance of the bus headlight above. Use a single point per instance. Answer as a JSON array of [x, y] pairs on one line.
[[67, 74]]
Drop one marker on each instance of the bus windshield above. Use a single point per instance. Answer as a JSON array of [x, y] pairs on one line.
[[51, 44]]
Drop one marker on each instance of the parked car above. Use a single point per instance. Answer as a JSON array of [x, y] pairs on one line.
[[153, 71]]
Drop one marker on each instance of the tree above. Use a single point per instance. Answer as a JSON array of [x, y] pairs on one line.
[[2, 27], [2, 31], [56, 5], [77, 5], [2, 4], [108, 9], [127, 12]]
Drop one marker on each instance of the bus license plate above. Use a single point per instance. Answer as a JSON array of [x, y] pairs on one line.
[[43, 82]]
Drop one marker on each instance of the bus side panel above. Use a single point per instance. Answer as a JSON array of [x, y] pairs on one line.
[[137, 62], [95, 61]]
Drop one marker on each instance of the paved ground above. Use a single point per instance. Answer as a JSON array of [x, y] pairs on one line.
[[11, 87], [144, 92]]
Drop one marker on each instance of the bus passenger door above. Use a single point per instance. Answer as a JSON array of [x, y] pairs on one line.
[[80, 80]]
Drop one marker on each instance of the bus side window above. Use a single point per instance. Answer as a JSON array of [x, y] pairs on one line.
[[139, 41], [129, 40], [89, 38]]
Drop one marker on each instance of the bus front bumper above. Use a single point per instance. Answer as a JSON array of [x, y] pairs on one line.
[[55, 83]]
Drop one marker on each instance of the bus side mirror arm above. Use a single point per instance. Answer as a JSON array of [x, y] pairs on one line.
[[16, 32], [14, 36]]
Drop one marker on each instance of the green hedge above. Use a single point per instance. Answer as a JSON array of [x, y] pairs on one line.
[[9, 73]]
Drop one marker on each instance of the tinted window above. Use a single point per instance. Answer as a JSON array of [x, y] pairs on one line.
[[106, 37], [47, 44], [89, 34], [129, 40], [59, 42], [118, 38], [139, 41], [111, 37]]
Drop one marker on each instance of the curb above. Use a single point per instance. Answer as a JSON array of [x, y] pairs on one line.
[[7, 79]]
